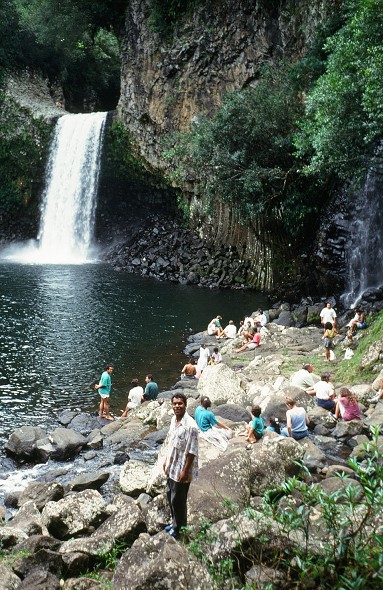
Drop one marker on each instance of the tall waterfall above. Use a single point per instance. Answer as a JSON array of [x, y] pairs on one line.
[[68, 204], [364, 254]]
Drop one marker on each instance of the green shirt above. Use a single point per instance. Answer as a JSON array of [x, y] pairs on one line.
[[151, 391]]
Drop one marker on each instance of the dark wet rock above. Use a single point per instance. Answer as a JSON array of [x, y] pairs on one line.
[[11, 499], [66, 416], [40, 581], [44, 560], [22, 444], [41, 493], [158, 436], [86, 481], [66, 443], [84, 423], [76, 562], [285, 318], [35, 543], [233, 412], [120, 458]]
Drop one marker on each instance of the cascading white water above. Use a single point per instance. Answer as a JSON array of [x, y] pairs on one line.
[[69, 199], [68, 204], [364, 252]]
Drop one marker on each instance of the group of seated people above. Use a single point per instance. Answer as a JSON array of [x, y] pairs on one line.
[[137, 395]]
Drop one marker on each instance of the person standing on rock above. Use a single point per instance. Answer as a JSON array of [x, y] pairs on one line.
[[181, 462], [328, 314], [103, 388], [203, 359]]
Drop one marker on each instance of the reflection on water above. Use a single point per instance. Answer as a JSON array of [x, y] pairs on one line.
[[62, 324]]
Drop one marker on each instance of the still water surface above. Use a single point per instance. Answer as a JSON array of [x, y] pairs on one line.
[[62, 324]]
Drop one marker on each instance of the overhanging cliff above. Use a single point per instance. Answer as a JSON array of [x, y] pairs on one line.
[[166, 83]]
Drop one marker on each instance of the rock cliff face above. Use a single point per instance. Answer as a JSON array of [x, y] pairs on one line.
[[218, 48]]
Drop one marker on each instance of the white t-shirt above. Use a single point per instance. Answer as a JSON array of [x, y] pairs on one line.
[[135, 395], [323, 390], [230, 331], [327, 315], [302, 379]]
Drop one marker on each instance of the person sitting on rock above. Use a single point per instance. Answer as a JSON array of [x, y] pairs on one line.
[[324, 392], [216, 357], [304, 378], [249, 331], [255, 428], [347, 405], [208, 423], [214, 328], [134, 397], [273, 425], [230, 331], [378, 395], [260, 319], [256, 341], [357, 322], [297, 421], [189, 370]]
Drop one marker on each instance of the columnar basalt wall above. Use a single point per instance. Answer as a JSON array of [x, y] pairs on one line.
[[218, 48]]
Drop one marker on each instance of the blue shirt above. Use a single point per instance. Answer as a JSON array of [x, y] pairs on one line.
[[151, 391], [205, 419], [257, 425], [106, 383]]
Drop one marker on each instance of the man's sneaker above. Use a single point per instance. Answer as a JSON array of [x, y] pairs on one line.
[[375, 398], [168, 528]]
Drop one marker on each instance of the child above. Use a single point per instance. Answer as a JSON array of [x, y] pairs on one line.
[[273, 425], [255, 428], [328, 337], [216, 357]]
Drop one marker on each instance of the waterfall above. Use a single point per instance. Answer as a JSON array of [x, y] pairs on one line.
[[69, 199], [364, 252]]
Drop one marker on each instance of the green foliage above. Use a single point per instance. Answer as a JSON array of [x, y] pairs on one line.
[[344, 111], [349, 552], [165, 14], [119, 155], [23, 147], [244, 156]]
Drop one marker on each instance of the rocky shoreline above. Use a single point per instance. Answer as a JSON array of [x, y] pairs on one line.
[[98, 489]]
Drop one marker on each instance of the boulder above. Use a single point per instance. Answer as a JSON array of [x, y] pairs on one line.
[[66, 443], [376, 418], [125, 524], [28, 519], [134, 477], [373, 357], [222, 385], [44, 560], [232, 412], [84, 423], [86, 481], [83, 584], [314, 459], [75, 515], [220, 483], [348, 429], [41, 493], [11, 536], [161, 562], [22, 444], [40, 581], [336, 485], [9, 580]]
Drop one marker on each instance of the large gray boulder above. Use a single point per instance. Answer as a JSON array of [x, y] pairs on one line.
[[74, 515], [66, 443], [28, 519], [135, 476], [126, 522], [347, 429], [160, 562], [9, 580], [373, 357], [85, 481], [222, 385], [222, 482], [41, 493], [22, 444]]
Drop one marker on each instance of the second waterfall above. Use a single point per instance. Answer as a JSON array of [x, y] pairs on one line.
[[69, 200]]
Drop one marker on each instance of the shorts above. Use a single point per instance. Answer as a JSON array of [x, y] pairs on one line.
[[252, 345], [328, 343], [104, 395]]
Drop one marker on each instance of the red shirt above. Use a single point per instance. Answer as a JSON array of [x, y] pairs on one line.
[[256, 338]]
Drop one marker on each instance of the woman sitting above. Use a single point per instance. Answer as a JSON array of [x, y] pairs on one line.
[[347, 405], [255, 342], [207, 424], [324, 392], [214, 328], [358, 321], [296, 421]]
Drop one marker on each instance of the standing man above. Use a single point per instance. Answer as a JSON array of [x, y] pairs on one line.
[[103, 388], [328, 315], [181, 462], [151, 389]]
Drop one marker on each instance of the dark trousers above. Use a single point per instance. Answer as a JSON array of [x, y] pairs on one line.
[[177, 494]]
